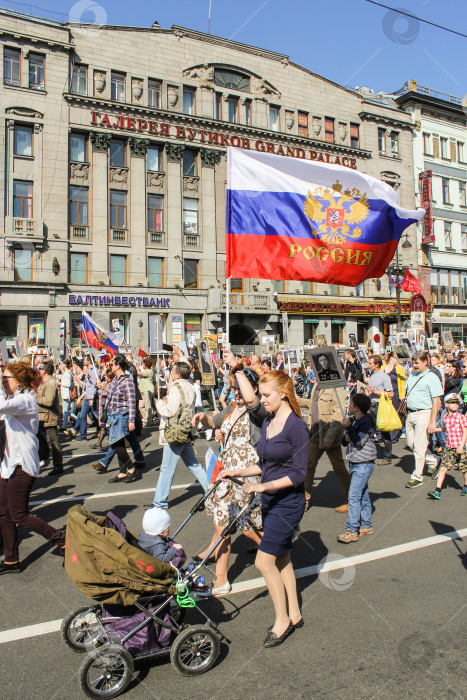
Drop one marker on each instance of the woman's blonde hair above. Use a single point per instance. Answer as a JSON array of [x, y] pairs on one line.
[[283, 383]]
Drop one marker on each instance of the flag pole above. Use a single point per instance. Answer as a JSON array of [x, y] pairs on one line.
[[227, 311], [89, 348], [157, 359]]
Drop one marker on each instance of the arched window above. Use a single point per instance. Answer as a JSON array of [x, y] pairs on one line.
[[231, 80]]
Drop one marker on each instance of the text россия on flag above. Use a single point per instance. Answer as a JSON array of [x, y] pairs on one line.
[[301, 220]]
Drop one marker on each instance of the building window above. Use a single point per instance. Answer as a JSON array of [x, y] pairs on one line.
[[334, 290], [307, 287], [464, 237], [454, 279], [117, 209], [354, 136], [189, 100], [190, 273], [78, 148], [274, 118], [427, 144], [79, 79], [464, 286], [231, 80], [155, 272], [329, 130], [218, 105], [79, 268], [443, 286], [460, 152], [247, 111], [336, 333], [117, 153], [382, 141], [303, 124], [154, 93], [153, 159], [359, 290], [22, 141], [189, 162], [22, 199], [435, 295], [36, 71], [447, 234], [444, 149], [190, 216], [232, 106], [11, 66], [22, 264], [462, 197], [155, 212], [445, 187], [118, 270], [79, 206], [278, 285], [117, 86], [394, 144]]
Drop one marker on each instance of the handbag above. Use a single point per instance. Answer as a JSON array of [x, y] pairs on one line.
[[402, 410], [178, 428], [73, 393], [387, 419]]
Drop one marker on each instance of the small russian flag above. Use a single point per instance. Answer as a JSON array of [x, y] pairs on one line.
[[213, 466]]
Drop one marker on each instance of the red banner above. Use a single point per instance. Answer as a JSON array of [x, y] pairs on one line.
[[410, 283], [426, 196]]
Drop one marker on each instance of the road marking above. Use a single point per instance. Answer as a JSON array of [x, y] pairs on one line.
[[54, 625], [110, 494]]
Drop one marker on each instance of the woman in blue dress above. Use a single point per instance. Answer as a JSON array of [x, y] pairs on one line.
[[283, 456]]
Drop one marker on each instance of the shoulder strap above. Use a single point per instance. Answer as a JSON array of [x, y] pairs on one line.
[[182, 395], [413, 387]]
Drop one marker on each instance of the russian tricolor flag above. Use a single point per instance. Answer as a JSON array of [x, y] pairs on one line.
[[97, 337], [294, 219], [213, 466]]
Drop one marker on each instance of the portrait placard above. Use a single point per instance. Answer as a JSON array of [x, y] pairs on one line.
[[326, 365], [205, 363]]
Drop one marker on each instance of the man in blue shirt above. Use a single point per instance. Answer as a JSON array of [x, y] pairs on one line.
[[423, 401]]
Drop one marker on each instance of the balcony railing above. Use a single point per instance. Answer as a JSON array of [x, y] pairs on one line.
[[24, 225], [81, 232], [192, 240], [253, 301], [156, 238], [413, 86], [119, 235]]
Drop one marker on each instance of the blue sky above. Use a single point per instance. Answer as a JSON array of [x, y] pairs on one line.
[[349, 41]]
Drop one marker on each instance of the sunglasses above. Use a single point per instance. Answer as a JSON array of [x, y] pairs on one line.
[[250, 373]]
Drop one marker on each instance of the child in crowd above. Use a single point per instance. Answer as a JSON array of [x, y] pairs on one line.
[[361, 455], [155, 536], [455, 426]]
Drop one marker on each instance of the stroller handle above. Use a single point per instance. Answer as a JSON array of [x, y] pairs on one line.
[[235, 480]]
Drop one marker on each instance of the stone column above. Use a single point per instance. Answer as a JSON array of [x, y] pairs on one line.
[[98, 207], [260, 115], [137, 212], [206, 101], [174, 271]]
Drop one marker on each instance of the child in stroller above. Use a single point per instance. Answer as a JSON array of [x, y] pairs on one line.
[[155, 537]]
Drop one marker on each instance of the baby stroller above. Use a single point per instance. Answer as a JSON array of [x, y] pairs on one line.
[[140, 603]]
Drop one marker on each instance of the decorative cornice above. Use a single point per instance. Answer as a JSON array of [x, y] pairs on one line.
[[210, 157], [174, 152], [387, 121], [100, 141], [25, 112], [40, 40], [138, 147]]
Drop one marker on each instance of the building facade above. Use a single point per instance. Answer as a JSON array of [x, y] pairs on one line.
[[440, 160], [114, 146]]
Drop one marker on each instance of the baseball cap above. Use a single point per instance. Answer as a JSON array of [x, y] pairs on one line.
[[452, 398], [155, 521]]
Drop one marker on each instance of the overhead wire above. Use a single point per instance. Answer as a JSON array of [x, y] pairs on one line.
[[419, 19]]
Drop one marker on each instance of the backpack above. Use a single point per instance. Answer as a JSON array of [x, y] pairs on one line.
[[178, 428]]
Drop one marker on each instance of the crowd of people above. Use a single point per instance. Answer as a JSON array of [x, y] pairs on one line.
[[254, 413]]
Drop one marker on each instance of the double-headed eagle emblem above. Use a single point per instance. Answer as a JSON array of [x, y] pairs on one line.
[[334, 213]]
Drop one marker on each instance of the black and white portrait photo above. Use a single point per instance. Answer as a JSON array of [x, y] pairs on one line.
[[205, 362], [327, 367]]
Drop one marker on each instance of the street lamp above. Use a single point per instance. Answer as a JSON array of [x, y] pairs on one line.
[[398, 272]]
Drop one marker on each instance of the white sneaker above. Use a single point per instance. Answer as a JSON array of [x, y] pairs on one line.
[[221, 590]]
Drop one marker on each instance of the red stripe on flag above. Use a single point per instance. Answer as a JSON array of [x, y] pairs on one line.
[[281, 258]]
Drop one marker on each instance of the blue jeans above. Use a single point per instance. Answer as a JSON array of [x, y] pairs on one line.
[[170, 457], [82, 422], [135, 446], [65, 411], [359, 497]]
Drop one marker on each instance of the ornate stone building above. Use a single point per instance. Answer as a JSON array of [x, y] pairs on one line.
[[114, 145]]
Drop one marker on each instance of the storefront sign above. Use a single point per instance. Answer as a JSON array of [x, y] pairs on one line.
[[214, 138], [450, 315], [426, 197], [380, 307], [97, 300]]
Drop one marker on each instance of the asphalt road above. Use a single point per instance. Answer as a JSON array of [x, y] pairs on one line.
[[388, 622]]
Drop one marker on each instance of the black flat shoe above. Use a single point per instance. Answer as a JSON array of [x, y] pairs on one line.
[[272, 640], [197, 559], [10, 568], [115, 479], [129, 478], [299, 624]]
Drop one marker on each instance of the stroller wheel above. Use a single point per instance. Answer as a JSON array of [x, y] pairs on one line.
[[79, 627], [108, 673], [195, 650]]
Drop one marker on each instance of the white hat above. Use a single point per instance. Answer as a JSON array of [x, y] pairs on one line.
[[155, 521], [451, 397]]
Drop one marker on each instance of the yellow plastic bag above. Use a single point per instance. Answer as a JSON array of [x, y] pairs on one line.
[[387, 418]]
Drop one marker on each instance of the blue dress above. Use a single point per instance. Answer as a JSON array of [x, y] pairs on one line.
[[285, 454]]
